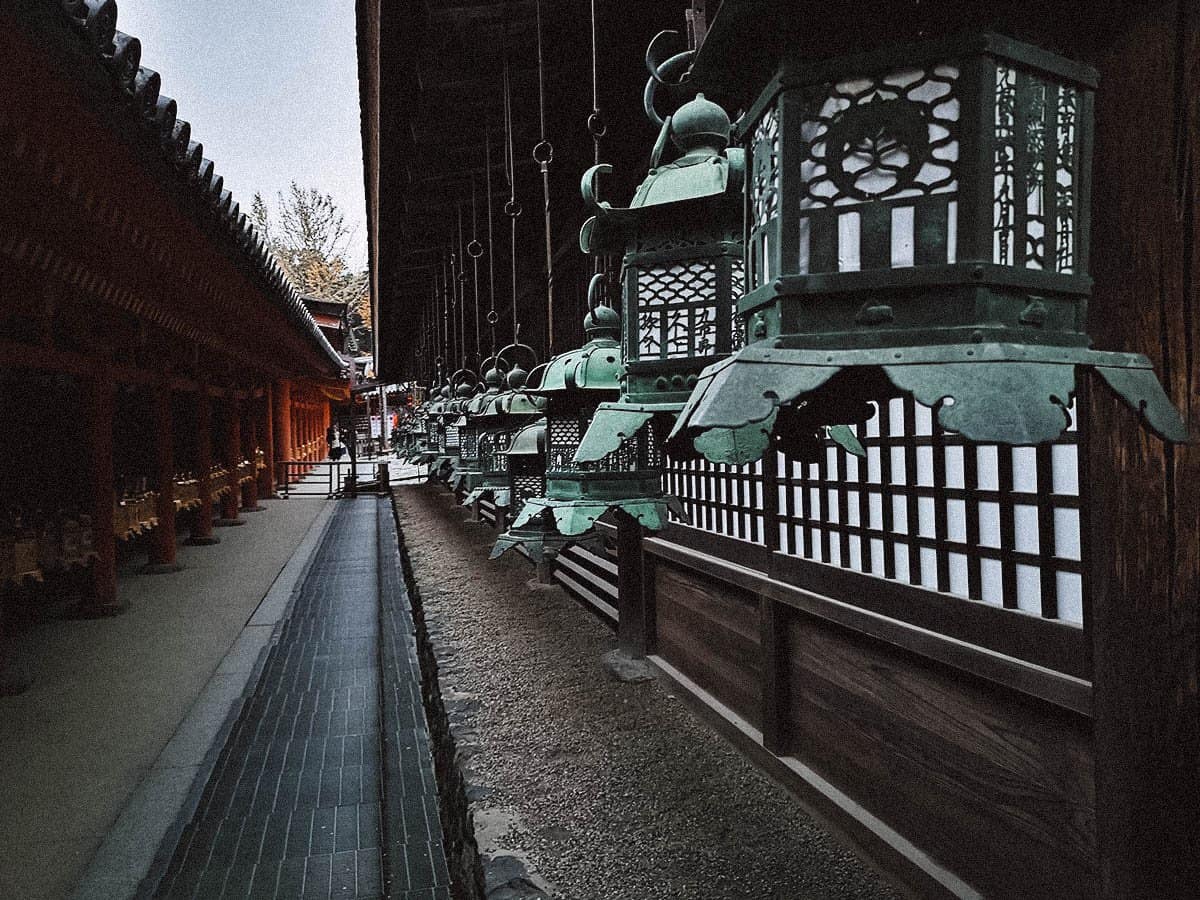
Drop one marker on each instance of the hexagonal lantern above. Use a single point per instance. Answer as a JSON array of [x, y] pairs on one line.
[[499, 418], [525, 469], [429, 420], [682, 273], [917, 221], [466, 468], [574, 384], [449, 411]]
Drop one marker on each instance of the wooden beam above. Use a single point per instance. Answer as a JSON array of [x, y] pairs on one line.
[[1144, 618]]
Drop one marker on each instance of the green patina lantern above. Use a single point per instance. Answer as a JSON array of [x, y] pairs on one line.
[[466, 468], [680, 241], [425, 431], [574, 384], [525, 469], [499, 418], [917, 221], [449, 411]]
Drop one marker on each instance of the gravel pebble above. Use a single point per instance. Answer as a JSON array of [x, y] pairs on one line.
[[605, 789]]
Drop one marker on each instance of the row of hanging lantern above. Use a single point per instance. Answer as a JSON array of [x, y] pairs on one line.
[[496, 414], [611, 403], [928, 235]]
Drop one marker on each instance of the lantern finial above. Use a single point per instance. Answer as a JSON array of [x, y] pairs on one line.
[[700, 125]]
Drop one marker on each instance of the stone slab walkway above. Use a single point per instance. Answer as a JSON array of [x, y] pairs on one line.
[[301, 803], [109, 695]]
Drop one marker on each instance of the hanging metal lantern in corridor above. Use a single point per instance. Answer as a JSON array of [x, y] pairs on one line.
[[680, 242], [918, 222]]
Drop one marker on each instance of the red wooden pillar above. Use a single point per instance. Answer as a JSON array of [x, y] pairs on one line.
[[324, 428], [284, 448], [310, 417], [266, 479], [233, 456], [250, 437], [202, 535], [99, 399], [162, 539], [306, 413]]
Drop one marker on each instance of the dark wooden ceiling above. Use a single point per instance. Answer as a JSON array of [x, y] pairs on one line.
[[440, 76]]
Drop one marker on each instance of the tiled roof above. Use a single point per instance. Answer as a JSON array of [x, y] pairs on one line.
[[95, 21]]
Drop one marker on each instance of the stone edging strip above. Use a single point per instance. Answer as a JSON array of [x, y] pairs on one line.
[[138, 847]]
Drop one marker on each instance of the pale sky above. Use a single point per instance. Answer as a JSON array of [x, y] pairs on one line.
[[271, 90]]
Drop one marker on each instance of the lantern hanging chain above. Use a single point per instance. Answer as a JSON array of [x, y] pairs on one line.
[[475, 250], [543, 155], [491, 316], [460, 289], [595, 123], [441, 329], [446, 321], [511, 208]]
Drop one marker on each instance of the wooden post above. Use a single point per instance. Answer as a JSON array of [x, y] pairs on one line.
[[281, 399], [202, 535], [100, 403], [233, 456], [162, 539], [635, 622], [773, 647], [250, 451], [1144, 507], [266, 481]]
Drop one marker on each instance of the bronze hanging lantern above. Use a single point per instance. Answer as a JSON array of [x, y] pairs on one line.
[[455, 394], [501, 414], [525, 467], [426, 428], [680, 241], [466, 469], [917, 221], [573, 384]]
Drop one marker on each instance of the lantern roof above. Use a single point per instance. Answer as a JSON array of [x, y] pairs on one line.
[[596, 366], [990, 393], [530, 440], [708, 169]]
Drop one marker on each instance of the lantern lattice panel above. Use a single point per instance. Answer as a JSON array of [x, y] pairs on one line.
[[1036, 186], [493, 450], [1000, 525], [527, 487], [677, 310], [764, 186], [469, 438], [452, 441], [737, 276], [563, 434], [884, 159]]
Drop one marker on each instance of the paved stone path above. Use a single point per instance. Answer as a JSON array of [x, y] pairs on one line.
[[109, 695], [298, 804]]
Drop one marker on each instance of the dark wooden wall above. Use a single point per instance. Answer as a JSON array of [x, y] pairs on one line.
[[993, 784], [1146, 501]]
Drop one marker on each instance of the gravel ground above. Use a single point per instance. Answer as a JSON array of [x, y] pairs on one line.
[[606, 790]]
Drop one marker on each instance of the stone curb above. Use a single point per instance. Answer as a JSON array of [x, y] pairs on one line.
[[137, 848], [480, 866]]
